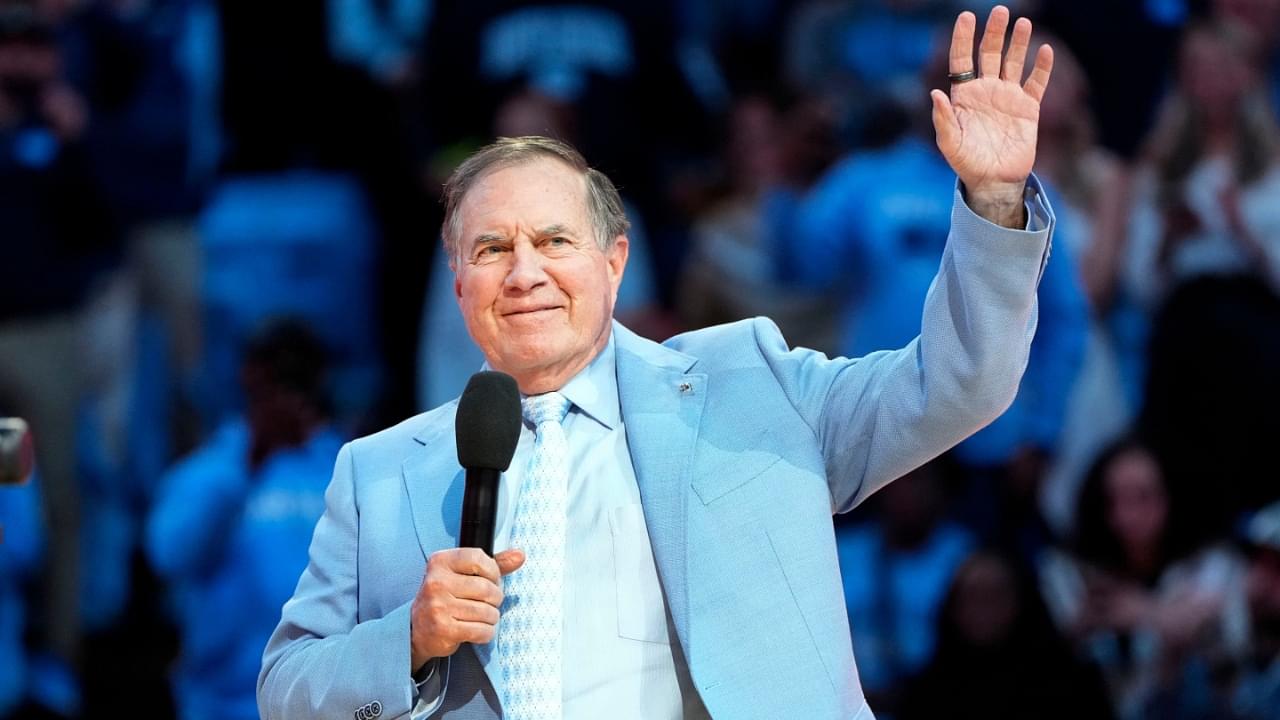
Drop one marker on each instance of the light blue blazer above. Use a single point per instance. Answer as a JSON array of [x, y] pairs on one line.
[[742, 450]]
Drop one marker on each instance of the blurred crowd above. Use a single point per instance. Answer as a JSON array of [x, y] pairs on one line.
[[219, 258]]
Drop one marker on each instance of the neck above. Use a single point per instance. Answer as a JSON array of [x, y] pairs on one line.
[[545, 381], [536, 381]]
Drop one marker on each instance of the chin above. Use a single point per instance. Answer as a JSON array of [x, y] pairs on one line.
[[525, 358]]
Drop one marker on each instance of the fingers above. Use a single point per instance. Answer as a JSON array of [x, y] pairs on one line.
[[961, 58], [944, 123], [509, 560], [1017, 54], [992, 48], [469, 587], [476, 633], [1039, 79], [477, 612], [469, 561]]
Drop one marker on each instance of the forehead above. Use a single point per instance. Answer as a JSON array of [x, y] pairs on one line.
[[516, 198]]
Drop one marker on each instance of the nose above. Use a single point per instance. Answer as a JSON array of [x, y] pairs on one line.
[[526, 271]]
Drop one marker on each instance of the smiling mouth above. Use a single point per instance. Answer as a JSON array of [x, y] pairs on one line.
[[531, 311]]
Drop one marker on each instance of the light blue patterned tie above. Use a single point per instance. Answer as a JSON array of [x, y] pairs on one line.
[[529, 633]]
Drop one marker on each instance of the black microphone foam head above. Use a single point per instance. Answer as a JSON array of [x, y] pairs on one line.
[[488, 421]]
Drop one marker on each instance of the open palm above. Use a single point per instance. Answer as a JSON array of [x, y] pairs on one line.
[[987, 126]]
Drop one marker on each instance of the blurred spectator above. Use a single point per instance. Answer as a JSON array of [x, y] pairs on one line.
[[860, 55], [120, 56], [1203, 199], [301, 243], [58, 240], [282, 106], [22, 540], [1261, 17], [382, 37], [1256, 693], [876, 225], [1137, 592], [1089, 187], [1138, 36], [1204, 254], [730, 274], [1249, 689], [232, 523], [896, 570], [991, 624], [381, 52], [728, 44]]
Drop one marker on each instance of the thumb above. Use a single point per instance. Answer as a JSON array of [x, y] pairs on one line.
[[509, 560], [945, 123]]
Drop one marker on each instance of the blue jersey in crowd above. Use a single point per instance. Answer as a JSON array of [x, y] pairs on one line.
[[233, 542], [877, 224]]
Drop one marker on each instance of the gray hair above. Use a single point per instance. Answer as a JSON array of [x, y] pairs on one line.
[[604, 205]]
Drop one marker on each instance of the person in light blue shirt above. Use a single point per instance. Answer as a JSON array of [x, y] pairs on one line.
[[231, 523], [876, 224], [729, 451], [896, 571]]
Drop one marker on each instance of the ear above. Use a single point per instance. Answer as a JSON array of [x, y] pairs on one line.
[[457, 286], [616, 260]]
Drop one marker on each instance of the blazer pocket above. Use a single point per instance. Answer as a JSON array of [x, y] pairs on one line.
[[732, 472], [642, 610]]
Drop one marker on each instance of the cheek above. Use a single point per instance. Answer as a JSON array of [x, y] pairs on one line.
[[475, 293]]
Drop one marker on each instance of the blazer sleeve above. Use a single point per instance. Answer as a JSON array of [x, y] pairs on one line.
[[321, 662], [882, 415]]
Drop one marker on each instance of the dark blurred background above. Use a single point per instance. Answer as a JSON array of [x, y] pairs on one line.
[[219, 259]]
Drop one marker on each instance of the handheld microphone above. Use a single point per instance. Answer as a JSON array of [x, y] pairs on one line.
[[17, 455], [487, 429]]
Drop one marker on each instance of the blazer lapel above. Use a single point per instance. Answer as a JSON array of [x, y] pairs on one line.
[[661, 404], [434, 483], [436, 506]]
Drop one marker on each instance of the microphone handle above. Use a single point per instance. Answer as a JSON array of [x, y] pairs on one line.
[[479, 509]]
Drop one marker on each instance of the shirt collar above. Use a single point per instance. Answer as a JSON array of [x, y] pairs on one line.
[[594, 390]]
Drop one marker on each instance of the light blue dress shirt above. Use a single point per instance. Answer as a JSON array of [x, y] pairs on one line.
[[621, 655]]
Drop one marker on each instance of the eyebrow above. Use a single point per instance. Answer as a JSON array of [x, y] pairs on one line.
[[487, 239], [491, 238], [555, 229]]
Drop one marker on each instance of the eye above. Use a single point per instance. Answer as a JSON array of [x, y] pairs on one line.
[[558, 241], [490, 251]]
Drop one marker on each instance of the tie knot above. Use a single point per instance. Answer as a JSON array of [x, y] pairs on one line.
[[547, 407]]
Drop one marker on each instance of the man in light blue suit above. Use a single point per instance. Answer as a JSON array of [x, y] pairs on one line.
[[693, 554]]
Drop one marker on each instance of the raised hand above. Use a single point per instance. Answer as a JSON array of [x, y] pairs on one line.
[[987, 126]]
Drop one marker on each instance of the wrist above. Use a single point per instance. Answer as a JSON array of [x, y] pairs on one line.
[[1003, 204], [418, 656], [424, 673]]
